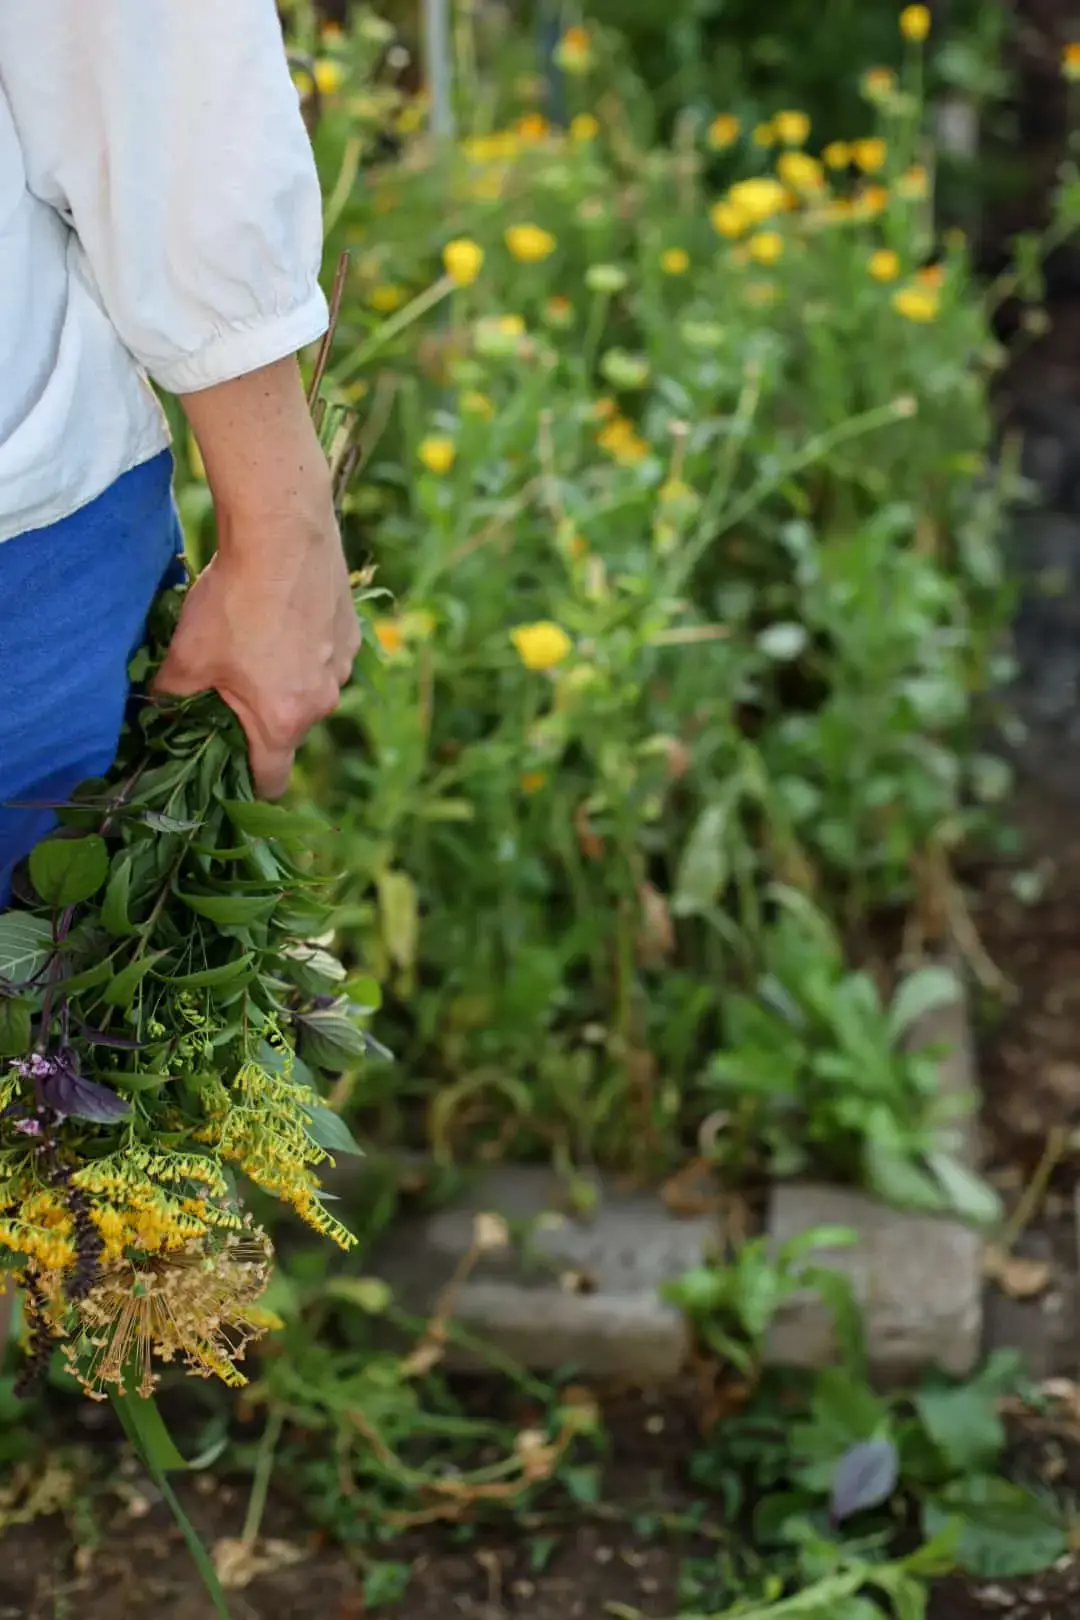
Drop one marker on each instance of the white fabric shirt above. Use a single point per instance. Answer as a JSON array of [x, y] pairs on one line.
[[160, 217]]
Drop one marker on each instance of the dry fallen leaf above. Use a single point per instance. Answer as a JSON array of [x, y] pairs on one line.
[[237, 1562], [1015, 1276], [490, 1232]]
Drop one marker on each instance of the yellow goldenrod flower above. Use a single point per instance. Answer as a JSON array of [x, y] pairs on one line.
[[463, 260], [914, 184], [1070, 61], [675, 261], [723, 132], [764, 135], [915, 22], [870, 154], [474, 403], [386, 297], [916, 303], [758, 199], [801, 172], [531, 782], [542, 645], [837, 155], [529, 244], [792, 128], [584, 127], [879, 83], [532, 128], [766, 247], [574, 52], [329, 75], [437, 454], [884, 265]]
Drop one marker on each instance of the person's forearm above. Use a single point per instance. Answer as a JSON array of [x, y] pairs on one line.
[[260, 449]]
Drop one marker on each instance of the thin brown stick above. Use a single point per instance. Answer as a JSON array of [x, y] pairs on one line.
[[322, 359]]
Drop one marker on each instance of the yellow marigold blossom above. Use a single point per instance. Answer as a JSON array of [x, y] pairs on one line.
[[529, 244], [1070, 60], [766, 247], [879, 83], [386, 297], [884, 265], [584, 127], [758, 199], [837, 155], [675, 261], [917, 303], [463, 260], [474, 403], [871, 203], [800, 171], [437, 453], [914, 184], [723, 132], [329, 75], [531, 782], [389, 635], [915, 22], [870, 154], [532, 128], [542, 645], [931, 275], [792, 128], [764, 135], [574, 52]]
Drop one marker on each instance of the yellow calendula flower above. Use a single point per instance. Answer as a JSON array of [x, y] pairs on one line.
[[529, 244], [884, 265], [917, 303], [1070, 61], [931, 275], [766, 247], [801, 172], [437, 454], [914, 184], [728, 220], [574, 52], [759, 199], [764, 135], [723, 132], [837, 155], [870, 154], [878, 84], [463, 260], [871, 203], [542, 645], [622, 442], [329, 75], [675, 261], [386, 297], [915, 22], [531, 782], [389, 635], [792, 128], [584, 128], [534, 127]]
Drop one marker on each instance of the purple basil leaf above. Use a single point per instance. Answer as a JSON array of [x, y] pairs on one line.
[[69, 1093], [866, 1476]]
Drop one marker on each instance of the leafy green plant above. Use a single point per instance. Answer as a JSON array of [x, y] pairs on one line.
[[819, 1072]]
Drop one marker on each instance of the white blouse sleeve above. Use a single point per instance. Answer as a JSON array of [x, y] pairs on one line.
[[168, 134]]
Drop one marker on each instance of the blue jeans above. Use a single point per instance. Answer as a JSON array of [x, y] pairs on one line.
[[73, 604]]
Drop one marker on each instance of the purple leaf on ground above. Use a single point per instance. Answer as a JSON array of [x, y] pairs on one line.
[[71, 1095], [866, 1476]]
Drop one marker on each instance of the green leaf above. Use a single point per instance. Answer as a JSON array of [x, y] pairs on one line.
[[920, 994], [703, 870], [231, 910], [215, 977], [967, 1194], [899, 1180], [330, 1131], [1006, 1531], [264, 820], [135, 1082], [26, 943], [67, 871], [89, 978], [964, 1425], [121, 991], [330, 1039], [115, 916], [15, 1027]]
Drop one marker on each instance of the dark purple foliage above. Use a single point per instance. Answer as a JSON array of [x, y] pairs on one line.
[[69, 1094]]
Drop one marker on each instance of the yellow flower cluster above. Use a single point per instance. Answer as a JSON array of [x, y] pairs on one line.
[[620, 439], [541, 646]]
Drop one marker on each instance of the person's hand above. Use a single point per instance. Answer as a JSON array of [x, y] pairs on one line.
[[270, 625]]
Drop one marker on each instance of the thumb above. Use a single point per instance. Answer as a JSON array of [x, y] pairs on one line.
[[175, 679]]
